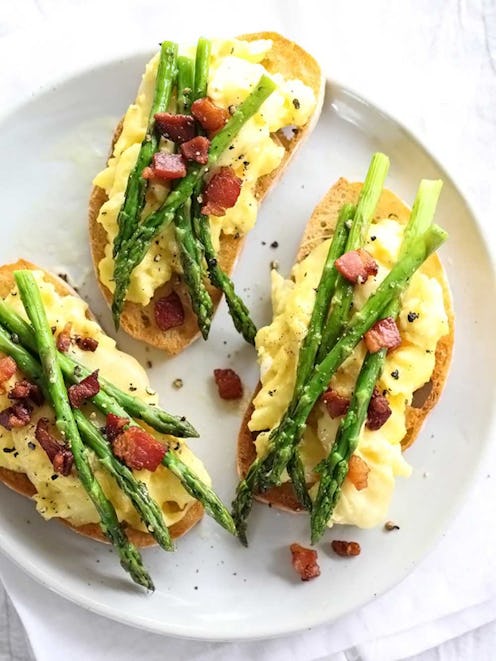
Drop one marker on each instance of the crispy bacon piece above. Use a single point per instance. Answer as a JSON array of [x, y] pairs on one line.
[[383, 334], [305, 562], [228, 384], [356, 265], [138, 449], [178, 128], [8, 367], [345, 549], [80, 392], [165, 167], [358, 472], [60, 455], [335, 404], [221, 192], [64, 339], [87, 343], [378, 411], [26, 390], [169, 312], [196, 149], [208, 115], [114, 425], [17, 415]]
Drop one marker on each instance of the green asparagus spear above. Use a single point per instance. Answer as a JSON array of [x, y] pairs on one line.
[[134, 197], [135, 248], [148, 510], [199, 490], [73, 371], [335, 467], [188, 245], [129, 555], [266, 472], [343, 295], [202, 62], [237, 309], [185, 78]]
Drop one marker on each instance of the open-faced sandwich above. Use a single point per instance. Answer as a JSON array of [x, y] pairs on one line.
[[209, 133], [81, 431], [364, 323]]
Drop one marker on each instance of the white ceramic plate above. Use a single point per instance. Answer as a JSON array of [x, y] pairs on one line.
[[212, 588]]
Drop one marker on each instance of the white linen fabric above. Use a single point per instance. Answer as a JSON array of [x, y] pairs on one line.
[[447, 50]]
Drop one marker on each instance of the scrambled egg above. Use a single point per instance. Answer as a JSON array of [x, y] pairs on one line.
[[406, 369], [234, 71], [64, 496]]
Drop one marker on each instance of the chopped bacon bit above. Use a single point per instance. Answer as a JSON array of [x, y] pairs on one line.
[[165, 167], [17, 415], [335, 404], [169, 312], [383, 334], [114, 425], [178, 128], [305, 562], [80, 392], [345, 549], [60, 455], [378, 411], [138, 449], [8, 367], [87, 343], [356, 265], [221, 192], [228, 384], [210, 117], [196, 149], [26, 390], [64, 339], [358, 472]]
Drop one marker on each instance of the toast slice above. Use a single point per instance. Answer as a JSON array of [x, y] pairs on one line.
[[137, 320], [20, 482], [319, 228]]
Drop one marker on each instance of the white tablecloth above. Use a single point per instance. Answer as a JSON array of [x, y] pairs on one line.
[[389, 51]]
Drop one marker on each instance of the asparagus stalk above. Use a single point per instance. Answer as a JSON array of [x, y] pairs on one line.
[[136, 491], [202, 62], [311, 343], [129, 555], [135, 248], [185, 78], [343, 295], [188, 245], [134, 196], [266, 472], [335, 467], [157, 418]]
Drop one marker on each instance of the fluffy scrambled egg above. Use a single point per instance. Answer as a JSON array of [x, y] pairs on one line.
[[235, 69], [406, 369], [64, 496]]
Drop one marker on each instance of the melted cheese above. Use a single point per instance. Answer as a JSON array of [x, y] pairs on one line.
[[234, 71], [64, 496], [406, 369]]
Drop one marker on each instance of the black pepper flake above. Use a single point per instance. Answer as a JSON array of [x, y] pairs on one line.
[[54, 477], [412, 316], [389, 525], [274, 244], [231, 146], [246, 163], [373, 238], [16, 454], [149, 364], [395, 374], [296, 104], [31, 445], [14, 338], [428, 351], [8, 450], [182, 418], [132, 388], [77, 371], [53, 329], [264, 243], [196, 587]]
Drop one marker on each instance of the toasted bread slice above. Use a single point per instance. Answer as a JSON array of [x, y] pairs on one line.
[[20, 482], [319, 228], [291, 61]]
